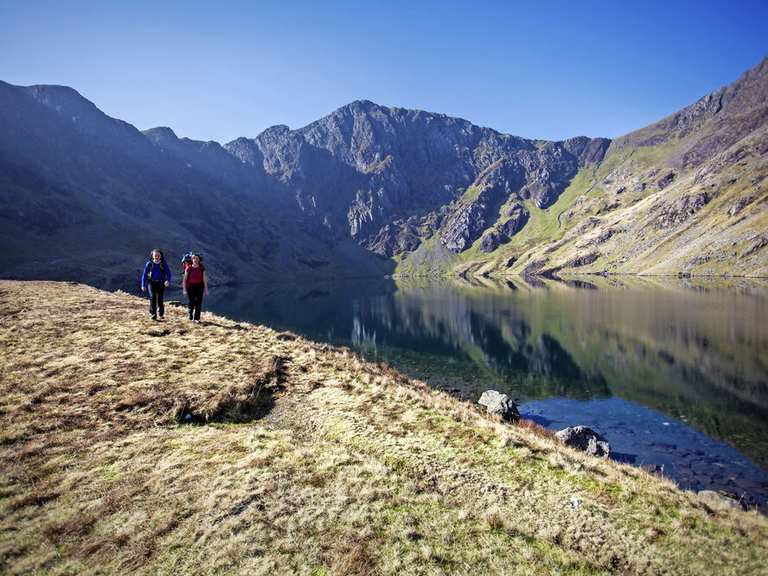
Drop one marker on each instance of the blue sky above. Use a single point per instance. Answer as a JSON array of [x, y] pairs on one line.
[[543, 69]]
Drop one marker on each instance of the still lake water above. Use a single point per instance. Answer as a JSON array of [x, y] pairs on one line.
[[674, 373]]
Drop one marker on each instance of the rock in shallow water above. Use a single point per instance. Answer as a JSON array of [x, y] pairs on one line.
[[501, 404], [586, 439]]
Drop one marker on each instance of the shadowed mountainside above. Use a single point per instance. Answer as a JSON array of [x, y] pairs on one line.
[[369, 190]]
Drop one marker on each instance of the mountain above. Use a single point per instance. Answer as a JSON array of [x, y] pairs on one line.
[[372, 190], [685, 195], [387, 176], [85, 197]]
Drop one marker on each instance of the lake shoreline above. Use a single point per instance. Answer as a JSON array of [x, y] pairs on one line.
[[300, 447]]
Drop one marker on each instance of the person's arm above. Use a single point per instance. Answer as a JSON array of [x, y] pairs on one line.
[[144, 277], [184, 283], [167, 274], [205, 282]]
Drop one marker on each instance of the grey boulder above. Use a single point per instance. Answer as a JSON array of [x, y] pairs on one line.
[[585, 439], [717, 500], [501, 404]]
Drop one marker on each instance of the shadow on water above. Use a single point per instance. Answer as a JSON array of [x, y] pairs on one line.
[[695, 352]]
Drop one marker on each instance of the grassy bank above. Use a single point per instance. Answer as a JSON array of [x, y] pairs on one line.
[[134, 446]]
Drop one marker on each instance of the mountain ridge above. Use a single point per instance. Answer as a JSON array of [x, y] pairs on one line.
[[380, 189]]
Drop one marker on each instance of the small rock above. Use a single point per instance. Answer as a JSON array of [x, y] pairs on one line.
[[575, 502], [665, 181], [739, 205], [719, 500], [501, 404], [655, 469], [586, 439]]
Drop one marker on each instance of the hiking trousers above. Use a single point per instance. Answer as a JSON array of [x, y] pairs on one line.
[[195, 293], [156, 305]]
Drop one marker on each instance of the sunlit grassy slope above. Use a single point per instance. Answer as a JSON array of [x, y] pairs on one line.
[[618, 218], [172, 448]]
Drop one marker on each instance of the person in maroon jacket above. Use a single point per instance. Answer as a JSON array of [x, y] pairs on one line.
[[195, 285]]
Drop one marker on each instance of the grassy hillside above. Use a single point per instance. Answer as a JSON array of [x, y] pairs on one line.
[[618, 218], [159, 448], [685, 195]]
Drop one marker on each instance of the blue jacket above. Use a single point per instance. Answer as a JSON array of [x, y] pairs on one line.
[[155, 273]]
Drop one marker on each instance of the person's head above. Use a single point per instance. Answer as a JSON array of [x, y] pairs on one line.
[[156, 256], [196, 259]]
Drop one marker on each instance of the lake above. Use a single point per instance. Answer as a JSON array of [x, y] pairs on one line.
[[673, 372]]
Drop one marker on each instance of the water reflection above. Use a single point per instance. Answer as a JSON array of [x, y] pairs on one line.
[[694, 352]]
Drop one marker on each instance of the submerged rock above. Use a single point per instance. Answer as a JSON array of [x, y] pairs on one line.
[[586, 439], [501, 404]]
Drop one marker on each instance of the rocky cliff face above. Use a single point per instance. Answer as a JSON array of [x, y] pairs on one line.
[[368, 187], [384, 176]]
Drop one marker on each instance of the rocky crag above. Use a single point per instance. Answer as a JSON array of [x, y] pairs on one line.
[[375, 190]]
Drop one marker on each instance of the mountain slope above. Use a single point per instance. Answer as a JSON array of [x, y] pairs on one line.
[[387, 177], [685, 195], [368, 190], [85, 197]]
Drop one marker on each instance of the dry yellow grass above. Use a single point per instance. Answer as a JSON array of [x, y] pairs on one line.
[[226, 448]]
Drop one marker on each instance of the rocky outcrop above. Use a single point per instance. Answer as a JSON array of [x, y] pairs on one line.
[[739, 205], [585, 439], [665, 180], [472, 217], [504, 230], [395, 238], [677, 212], [490, 241]]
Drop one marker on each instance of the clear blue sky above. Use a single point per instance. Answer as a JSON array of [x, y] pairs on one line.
[[539, 69]]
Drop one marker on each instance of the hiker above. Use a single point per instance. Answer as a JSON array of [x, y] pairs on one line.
[[156, 278], [195, 285]]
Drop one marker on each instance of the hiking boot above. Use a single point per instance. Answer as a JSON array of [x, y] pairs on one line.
[[154, 317]]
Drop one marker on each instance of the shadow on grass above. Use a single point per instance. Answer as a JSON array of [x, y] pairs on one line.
[[239, 402], [237, 327]]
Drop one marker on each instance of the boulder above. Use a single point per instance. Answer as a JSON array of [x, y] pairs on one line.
[[501, 404], [716, 500], [586, 439]]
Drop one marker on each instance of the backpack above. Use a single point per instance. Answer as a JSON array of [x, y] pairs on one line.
[[186, 260], [148, 267]]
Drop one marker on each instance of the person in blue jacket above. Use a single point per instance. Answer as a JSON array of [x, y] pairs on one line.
[[156, 278]]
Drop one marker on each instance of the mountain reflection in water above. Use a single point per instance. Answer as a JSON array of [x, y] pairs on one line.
[[691, 351]]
